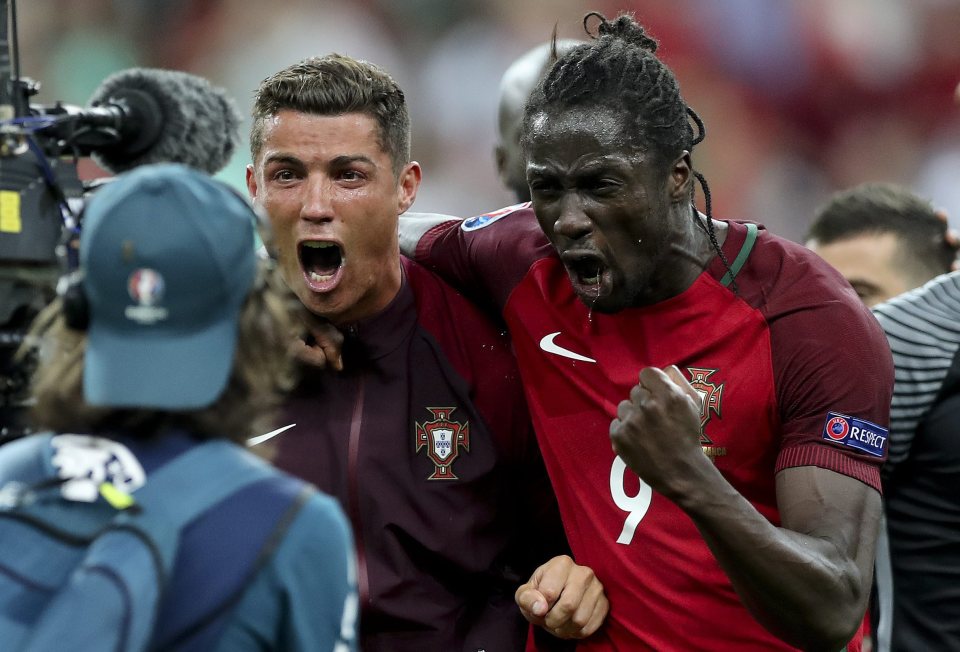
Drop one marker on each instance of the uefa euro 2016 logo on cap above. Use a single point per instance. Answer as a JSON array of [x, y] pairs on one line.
[[146, 287]]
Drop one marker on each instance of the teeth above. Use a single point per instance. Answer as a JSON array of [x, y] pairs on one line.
[[315, 244], [320, 278]]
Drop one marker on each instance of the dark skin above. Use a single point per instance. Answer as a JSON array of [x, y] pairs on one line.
[[626, 231], [620, 219]]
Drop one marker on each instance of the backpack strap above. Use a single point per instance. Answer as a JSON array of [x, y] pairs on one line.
[[184, 488], [127, 567], [741, 259], [266, 510]]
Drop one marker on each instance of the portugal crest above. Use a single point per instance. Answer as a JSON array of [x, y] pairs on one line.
[[443, 439], [710, 395]]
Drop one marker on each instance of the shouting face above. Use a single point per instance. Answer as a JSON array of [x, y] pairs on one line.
[[619, 220], [333, 199]]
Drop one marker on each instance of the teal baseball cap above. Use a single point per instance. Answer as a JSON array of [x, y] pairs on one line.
[[168, 258]]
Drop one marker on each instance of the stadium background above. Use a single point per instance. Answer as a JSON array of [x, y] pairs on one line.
[[800, 97]]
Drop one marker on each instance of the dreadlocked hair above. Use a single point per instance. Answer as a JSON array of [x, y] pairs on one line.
[[707, 201], [619, 69]]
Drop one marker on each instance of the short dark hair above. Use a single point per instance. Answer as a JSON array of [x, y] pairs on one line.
[[619, 69], [333, 85], [877, 208]]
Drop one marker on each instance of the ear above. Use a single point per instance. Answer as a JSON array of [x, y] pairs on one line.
[[251, 183], [680, 181], [407, 185], [500, 157]]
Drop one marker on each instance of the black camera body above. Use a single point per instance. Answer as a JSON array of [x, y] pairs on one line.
[[38, 204]]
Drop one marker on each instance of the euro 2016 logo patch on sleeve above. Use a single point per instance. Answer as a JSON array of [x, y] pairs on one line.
[[480, 221], [855, 433]]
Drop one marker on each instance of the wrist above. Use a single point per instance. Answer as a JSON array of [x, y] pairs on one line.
[[696, 487]]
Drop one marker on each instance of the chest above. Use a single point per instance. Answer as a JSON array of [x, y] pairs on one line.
[[578, 365]]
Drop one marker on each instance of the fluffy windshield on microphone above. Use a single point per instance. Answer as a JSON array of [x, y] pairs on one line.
[[198, 123]]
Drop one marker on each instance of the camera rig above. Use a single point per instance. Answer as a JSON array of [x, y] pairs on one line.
[[41, 198]]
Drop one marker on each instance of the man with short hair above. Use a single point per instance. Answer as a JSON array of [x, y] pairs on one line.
[[920, 610], [423, 435], [883, 239], [738, 508]]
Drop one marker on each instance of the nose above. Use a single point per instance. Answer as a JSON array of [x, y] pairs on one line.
[[572, 223], [317, 203]]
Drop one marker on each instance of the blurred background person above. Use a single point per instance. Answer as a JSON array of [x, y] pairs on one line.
[[920, 604], [515, 87], [883, 239], [810, 93], [920, 608]]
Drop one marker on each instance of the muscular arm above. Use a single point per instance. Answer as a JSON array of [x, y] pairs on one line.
[[806, 581]]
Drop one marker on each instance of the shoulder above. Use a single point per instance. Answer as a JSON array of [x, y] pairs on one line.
[[304, 597], [319, 531], [24, 459], [512, 229], [319, 527], [322, 512], [443, 310], [509, 229], [930, 313], [520, 216], [781, 271], [788, 283]]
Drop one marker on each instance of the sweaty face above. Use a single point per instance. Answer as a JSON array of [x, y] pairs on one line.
[[605, 207], [333, 200], [870, 263]]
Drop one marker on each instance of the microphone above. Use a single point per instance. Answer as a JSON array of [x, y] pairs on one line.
[[162, 116]]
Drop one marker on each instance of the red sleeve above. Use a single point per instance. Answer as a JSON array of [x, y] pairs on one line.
[[486, 256], [830, 357]]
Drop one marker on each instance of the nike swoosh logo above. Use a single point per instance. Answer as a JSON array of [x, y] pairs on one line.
[[547, 345], [259, 439]]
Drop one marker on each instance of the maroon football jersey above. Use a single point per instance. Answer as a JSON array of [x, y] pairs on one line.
[[425, 440], [770, 360]]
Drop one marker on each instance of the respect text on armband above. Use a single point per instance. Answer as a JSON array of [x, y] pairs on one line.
[[855, 433]]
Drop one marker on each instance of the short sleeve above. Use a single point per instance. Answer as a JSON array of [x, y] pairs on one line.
[[485, 256], [834, 378]]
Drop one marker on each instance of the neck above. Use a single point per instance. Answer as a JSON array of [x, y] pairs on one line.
[[387, 288], [690, 251]]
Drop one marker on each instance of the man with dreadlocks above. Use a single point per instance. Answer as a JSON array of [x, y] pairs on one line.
[[739, 505]]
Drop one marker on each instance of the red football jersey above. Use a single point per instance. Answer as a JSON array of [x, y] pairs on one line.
[[770, 360]]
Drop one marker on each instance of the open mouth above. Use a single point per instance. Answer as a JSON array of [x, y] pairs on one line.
[[322, 262], [588, 273]]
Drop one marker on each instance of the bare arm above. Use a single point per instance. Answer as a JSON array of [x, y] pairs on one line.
[[807, 581]]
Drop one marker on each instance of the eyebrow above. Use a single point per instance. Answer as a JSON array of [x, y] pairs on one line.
[[339, 161], [595, 166], [282, 158], [346, 159]]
